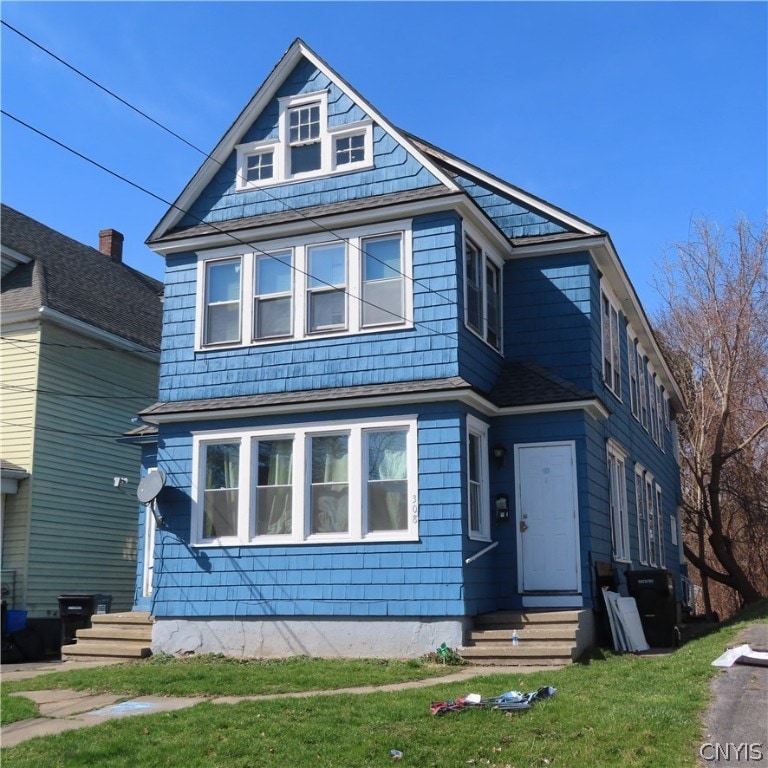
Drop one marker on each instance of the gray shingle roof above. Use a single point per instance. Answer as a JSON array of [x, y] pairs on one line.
[[455, 383], [9, 469], [523, 383], [78, 281], [312, 213]]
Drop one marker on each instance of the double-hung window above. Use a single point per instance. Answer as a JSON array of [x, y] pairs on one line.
[[482, 292], [643, 388], [611, 348], [222, 301], [326, 294], [617, 484], [659, 525], [304, 138], [354, 481], [221, 491], [477, 477], [651, 519], [273, 291], [642, 515], [303, 287], [382, 280], [634, 393]]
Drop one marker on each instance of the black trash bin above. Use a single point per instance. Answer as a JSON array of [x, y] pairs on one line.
[[75, 612], [654, 593]]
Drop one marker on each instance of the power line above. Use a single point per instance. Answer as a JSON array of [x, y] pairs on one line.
[[78, 395], [41, 343], [208, 156], [250, 246]]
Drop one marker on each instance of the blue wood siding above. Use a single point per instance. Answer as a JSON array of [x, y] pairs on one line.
[[512, 218], [423, 578], [549, 314], [426, 351], [395, 169]]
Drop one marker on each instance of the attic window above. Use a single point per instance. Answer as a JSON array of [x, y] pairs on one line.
[[304, 145]]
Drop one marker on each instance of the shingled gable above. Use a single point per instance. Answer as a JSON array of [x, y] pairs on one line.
[[78, 282], [258, 102]]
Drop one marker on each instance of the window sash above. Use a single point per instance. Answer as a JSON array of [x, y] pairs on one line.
[[382, 280], [633, 383], [611, 346], [618, 505], [222, 301], [221, 490], [642, 517], [474, 263], [478, 504]]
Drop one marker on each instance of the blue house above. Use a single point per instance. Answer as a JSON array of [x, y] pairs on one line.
[[398, 395]]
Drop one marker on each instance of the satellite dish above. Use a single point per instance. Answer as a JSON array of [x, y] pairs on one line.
[[150, 486]]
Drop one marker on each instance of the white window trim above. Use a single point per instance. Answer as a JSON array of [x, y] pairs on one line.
[[660, 527], [641, 512], [281, 145], [642, 394], [300, 523], [480, 430], [634, 385], [650, 513], [352, 238], [201, 311], [605, 292], [488, 254], [619, 538]]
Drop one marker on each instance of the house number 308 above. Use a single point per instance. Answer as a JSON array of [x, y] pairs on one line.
[[414, 510]]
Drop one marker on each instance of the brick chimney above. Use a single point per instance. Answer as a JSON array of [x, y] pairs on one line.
[[111, 244]]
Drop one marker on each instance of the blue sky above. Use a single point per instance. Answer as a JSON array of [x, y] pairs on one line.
[[637, 117]]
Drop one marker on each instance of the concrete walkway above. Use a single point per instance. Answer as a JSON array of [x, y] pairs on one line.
[[63, 710]]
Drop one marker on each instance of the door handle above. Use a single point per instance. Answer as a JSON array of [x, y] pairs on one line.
[[523, 526]]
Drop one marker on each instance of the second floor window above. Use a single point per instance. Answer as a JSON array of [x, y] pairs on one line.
[[611, 346], [354, 283], [482, 293]]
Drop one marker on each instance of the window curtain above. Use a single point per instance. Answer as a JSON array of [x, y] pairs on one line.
[[275, 491], [330, 486], [222, 478], [387, 481]]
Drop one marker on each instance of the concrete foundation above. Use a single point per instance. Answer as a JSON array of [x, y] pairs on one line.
[[328, 638]]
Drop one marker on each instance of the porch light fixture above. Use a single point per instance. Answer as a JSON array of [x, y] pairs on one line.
[[499, 452]]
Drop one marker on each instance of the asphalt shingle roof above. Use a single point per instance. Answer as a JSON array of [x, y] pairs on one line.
[[78, 281], [523, 383]]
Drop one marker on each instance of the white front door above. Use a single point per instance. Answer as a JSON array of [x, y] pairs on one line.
[[547, 518]]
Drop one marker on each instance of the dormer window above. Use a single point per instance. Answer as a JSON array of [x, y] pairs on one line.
[[305, 146], [304, 138]]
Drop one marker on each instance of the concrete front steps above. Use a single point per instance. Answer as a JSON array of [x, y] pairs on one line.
[[546, 638], [112, 636]]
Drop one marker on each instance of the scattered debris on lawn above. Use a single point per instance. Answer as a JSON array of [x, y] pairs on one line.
[[742, 654], [396, 754], [511, 700]]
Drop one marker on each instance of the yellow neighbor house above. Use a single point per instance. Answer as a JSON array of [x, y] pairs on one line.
[[79, 352]]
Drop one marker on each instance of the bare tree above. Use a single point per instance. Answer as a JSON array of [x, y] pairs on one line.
[[714, 327]]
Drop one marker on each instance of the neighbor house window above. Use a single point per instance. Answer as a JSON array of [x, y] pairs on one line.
[[306, 142], [221, 494], [222, 301], [482, 292], [334, 482], [611, 352], [617, 484], [477, 475], [359, 282]]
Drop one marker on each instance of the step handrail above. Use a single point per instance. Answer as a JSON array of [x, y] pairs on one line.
[[481, 553]]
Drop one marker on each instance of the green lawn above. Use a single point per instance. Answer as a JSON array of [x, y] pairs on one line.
[[615, 711]]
